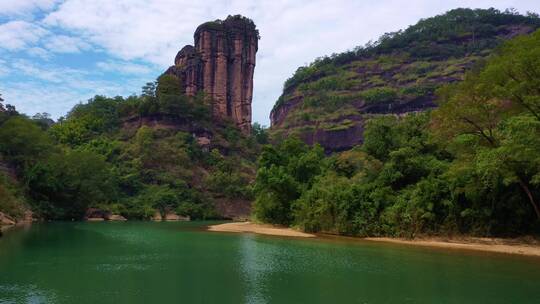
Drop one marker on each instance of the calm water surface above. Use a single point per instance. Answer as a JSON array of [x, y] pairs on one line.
[[139, 262]]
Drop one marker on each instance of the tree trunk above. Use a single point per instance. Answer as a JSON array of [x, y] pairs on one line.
[[525, 188]]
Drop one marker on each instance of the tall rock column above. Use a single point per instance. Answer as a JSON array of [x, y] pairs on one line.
[[222, 64], [243, 49]]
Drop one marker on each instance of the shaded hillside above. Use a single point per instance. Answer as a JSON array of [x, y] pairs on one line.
[[182, 148], [329, 101], [158, 152]]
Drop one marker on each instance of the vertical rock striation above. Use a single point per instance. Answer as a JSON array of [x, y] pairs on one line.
[[221, 64]]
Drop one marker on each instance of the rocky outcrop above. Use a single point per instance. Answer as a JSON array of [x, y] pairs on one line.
[[346, 137], [6, 220], [157, 217], [239, 209], [116, 218], [221, 64], [98, 215], [171, 216]]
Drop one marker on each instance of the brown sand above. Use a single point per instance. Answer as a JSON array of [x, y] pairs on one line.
[[478, 244], [258, 228], [507, 246]]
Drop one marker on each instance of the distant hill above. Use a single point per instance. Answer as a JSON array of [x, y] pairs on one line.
[[329, 101]]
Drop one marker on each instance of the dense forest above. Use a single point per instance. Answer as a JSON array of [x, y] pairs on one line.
[[130, 156], [471, 166]]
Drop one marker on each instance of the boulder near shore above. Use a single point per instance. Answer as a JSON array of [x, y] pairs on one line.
[[6, 220]]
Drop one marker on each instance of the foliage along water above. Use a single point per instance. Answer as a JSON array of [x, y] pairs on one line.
[[141, 262]]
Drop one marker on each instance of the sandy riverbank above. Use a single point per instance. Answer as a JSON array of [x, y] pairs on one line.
[[507, 246], [248, 227]]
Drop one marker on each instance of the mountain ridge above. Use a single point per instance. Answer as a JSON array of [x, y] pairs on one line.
[[328, 101]]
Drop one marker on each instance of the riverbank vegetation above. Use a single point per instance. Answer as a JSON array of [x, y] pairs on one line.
[[135, 156], [471, 166]]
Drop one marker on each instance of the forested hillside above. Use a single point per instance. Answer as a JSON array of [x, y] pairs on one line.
[[439, 126], [329, 101], [157, 152], [471, 166]]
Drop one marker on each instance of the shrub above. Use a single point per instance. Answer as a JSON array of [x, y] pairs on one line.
[[379, 95]]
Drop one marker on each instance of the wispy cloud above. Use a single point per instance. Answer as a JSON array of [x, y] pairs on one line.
[[48, 73], [124, 67], [19, 35], [39, 52], [65, 44], [4, 69], [25, 7], [32, 97]]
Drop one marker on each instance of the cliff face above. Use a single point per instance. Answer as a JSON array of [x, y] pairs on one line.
[[329, 101], [221, 64]]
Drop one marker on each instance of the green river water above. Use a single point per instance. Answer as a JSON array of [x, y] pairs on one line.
[[143, 262]]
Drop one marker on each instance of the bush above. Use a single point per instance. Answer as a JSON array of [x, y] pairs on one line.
[[379, 95]]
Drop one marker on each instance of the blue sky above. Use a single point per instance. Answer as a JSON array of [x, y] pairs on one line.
[[57, 53]]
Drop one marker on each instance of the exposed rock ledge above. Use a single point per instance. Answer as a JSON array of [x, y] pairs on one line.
[[98, 215], [169, 217], [6, 220]]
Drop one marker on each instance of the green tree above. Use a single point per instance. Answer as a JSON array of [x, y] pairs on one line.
[[284, 172], [260, 133], [481, 117], [149, 89], [517, 157], [168, 85], [65, 185], [23, 143]]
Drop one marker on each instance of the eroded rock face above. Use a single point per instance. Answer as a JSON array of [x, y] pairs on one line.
[[116, 217], [6, 220], [157, 217], [342, 128], [171, 216], [221, 64]]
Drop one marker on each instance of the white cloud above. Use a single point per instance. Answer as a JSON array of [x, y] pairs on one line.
[[150, 30], [39, 52], [65, 44], [124, 67], [33, 97], [77, 79], [4, 69], [17, 35], [57, 75], [24, 7]]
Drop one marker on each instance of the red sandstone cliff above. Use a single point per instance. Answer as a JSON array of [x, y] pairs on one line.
[[221, 64]]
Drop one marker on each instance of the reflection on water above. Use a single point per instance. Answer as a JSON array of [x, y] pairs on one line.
[[137, 262], [29, 294], [255, 265]]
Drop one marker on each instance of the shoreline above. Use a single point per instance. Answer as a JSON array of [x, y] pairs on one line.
[[249, 227], [504, 246], [492, 245]]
